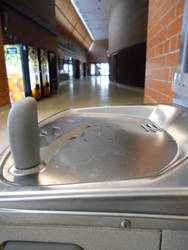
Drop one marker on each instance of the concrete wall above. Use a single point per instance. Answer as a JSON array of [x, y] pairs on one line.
[[163, 44], [97, 51], [128, 24]]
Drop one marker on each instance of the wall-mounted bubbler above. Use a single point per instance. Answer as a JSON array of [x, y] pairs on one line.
[[23, 133]]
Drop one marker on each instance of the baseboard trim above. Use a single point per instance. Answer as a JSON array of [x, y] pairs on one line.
[[128, 87], [5, 107]]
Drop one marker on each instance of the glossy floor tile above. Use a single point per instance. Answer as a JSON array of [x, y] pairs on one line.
[[87, 92]]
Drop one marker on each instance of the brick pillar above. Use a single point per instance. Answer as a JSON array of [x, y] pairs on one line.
[[4, 91], [163, 45]]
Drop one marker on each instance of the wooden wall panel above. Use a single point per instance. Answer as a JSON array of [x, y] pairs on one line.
[[69, 22]]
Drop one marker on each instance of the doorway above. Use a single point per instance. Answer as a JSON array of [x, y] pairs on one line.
[[99, 69]]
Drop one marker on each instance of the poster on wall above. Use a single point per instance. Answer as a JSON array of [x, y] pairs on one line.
[[14, 71], [34, 72]]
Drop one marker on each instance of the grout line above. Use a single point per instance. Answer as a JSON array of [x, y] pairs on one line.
[[167, 39], [161, 67], [153, 100], [158, 9], [161, 93], [164, 81], [166, 54], [161, 17], [165, 27]]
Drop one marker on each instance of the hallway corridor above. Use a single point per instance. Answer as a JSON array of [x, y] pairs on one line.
[[93, 91]]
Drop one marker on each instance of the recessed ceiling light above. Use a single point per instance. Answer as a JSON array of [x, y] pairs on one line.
[[99, 8]]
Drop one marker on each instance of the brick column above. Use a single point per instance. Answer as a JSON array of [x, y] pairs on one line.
[[4, 91], [163, 44]]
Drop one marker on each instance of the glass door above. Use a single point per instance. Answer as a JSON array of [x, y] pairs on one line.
[[104, 69], [98, 69], [92, 69]]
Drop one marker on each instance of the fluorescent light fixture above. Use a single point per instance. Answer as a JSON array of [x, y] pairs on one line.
[[80, 15]]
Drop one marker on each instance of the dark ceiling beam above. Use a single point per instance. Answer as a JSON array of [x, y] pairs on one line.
[[64, 47]]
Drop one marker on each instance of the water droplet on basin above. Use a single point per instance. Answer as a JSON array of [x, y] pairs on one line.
[[82, 134], [56, 128], [69, 120], [43, 132], [73, 137]]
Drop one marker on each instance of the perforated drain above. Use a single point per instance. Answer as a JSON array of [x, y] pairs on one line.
[[153, 128]]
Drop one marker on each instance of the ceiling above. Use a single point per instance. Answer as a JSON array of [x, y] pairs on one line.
[[96, 14]]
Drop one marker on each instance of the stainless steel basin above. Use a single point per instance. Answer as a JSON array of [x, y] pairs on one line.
[[121, 159]]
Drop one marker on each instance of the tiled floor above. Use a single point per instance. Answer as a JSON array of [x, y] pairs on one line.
[[94, 91]]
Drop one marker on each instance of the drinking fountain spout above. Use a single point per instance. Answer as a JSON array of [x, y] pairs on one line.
[[23, 134]]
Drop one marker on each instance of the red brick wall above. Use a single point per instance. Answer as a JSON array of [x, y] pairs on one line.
[[4, 92], [163, 43]]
